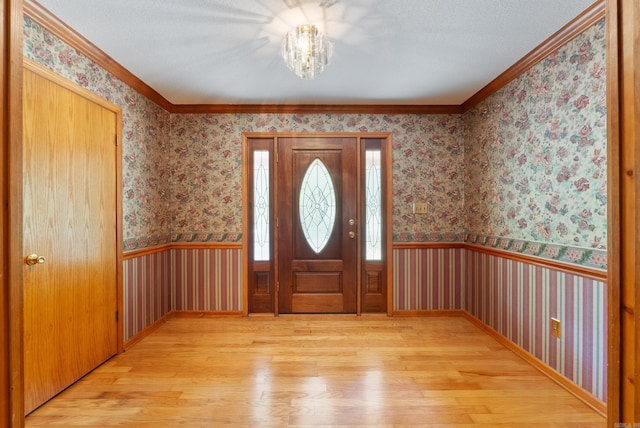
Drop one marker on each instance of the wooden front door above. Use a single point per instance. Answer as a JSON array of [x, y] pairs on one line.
[[317, 223], [70, 196]]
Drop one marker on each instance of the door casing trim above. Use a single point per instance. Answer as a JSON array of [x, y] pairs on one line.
[[388, 209]]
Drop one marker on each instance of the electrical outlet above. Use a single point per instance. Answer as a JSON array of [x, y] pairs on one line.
[[555, 328], [419, 208]]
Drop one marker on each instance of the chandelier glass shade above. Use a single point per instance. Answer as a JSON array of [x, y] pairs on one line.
[[306, 51]]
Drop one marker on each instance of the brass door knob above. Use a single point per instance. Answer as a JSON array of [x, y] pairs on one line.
[[34, 259], [352, 234]]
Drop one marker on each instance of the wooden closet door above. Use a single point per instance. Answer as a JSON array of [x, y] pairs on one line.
[[70, 298]]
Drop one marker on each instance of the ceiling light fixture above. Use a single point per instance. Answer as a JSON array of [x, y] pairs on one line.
[[306, 51]]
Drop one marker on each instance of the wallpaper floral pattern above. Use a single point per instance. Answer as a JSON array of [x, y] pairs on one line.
[[535, 152], [145, 133], [206, 164], [527, 164]]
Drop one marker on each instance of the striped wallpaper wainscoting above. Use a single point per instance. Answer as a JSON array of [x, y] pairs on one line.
[[207, 279], [178, 279], [513, 297], [428, 279], [518, 300], [146, 291]]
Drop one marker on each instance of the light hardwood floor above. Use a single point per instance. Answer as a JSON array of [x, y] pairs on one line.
[[316, 371]]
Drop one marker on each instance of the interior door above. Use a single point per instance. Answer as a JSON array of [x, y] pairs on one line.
[[317, 224], [70, 282]]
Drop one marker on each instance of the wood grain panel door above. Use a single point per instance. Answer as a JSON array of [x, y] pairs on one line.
[[317, 224], [70, 299]]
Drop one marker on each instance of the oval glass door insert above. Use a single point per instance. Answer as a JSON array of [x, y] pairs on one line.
[[317, 205]]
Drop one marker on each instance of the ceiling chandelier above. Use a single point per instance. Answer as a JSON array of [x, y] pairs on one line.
[[306, 51]]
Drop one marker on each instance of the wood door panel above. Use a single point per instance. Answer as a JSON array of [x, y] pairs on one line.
[[317, 282], [317, 266], [312, 280], [70, 199], [317, 303]]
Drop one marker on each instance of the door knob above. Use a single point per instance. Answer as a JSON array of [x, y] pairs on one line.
[[352, 234], [34, 259]]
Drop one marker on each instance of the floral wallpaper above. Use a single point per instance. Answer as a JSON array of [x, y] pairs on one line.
[[145, 133], [535, 152], [206, 165], [527, 164]]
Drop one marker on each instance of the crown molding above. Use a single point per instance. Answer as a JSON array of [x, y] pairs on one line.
[[575, 27], [53, 24], [318, 108]]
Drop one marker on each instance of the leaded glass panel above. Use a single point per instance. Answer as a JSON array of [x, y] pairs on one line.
[[317, 205], [373, 211], [261, 238]]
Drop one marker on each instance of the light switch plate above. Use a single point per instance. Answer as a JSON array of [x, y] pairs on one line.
[[419, 208]]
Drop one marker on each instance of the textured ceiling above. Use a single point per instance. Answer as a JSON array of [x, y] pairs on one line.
[[385, 51]]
